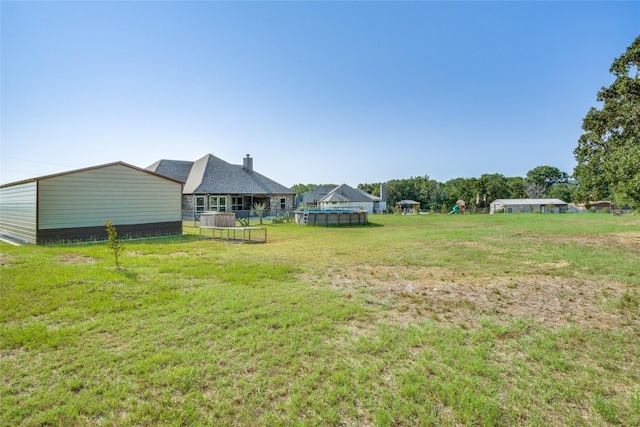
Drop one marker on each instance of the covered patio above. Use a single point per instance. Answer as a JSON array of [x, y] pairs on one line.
[[408, 206]]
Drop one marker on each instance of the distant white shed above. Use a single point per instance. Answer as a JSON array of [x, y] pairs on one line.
[[72, 206], [528, 206]]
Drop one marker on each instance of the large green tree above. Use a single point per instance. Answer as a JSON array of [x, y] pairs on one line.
[[405, 189], [491, 186], [608, 153], [373, 189], [517, 187], [303, 188], [460, 189], [564, 191], [542, 178]]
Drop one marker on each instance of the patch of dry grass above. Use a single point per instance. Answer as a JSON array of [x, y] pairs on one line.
[[412, 294]]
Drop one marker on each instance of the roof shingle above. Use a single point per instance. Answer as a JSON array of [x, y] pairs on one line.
[[211, 175], [344, 193]]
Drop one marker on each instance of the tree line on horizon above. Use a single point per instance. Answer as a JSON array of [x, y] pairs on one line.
[[607, 156], [478, 193], [540, 182]]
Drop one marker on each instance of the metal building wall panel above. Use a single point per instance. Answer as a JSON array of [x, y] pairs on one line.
[[18, 211], [124, 195]]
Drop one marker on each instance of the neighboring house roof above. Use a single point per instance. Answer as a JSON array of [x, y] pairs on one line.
[[407, 202], [41, 178], [528, 202], [211, 175], [344, 193], [317, 193]]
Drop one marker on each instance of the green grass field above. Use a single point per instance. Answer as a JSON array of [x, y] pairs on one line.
[[492, 320]]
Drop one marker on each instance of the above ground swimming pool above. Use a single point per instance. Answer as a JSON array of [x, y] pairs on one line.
[[331, 217]]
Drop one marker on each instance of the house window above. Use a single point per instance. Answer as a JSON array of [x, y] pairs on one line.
[[218, 203], [200, 204], [237, 203], [283, 203]]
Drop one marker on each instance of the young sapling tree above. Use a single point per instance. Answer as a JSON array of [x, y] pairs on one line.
[[113, 243]]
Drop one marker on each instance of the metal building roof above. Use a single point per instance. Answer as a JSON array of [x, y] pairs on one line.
[[529, 202], [106, 165]]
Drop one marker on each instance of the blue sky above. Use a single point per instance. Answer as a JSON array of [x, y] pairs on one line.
[[316, 92]]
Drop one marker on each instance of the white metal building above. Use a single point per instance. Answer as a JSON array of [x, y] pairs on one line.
[[528, 206], [73, 206]]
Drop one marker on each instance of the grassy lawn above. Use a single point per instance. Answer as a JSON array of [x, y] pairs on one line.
[[493, 320]]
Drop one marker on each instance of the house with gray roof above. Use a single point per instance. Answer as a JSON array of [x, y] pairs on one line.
[[528, 206], [211, 184], [346, 197], [312, 197]]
